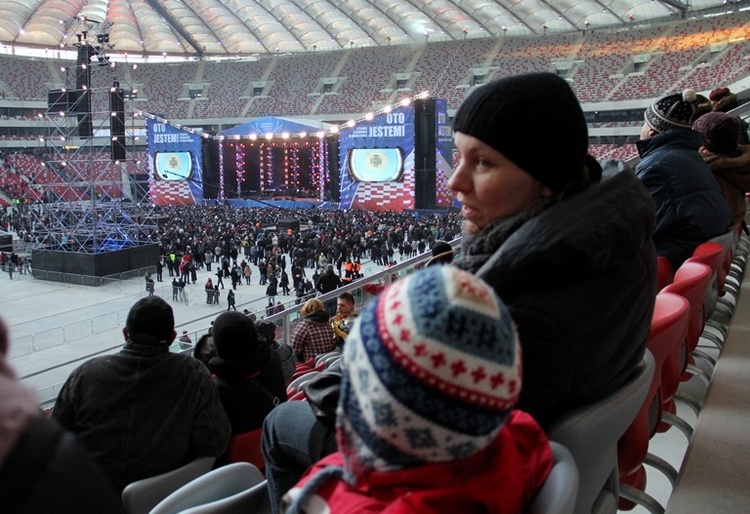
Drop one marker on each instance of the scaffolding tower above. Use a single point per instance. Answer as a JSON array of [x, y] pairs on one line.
[[92, 195]]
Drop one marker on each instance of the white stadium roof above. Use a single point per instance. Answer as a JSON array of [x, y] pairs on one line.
[[246, 27]]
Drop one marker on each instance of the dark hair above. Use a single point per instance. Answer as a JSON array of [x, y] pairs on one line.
[[579, 180], [150, 320], [347, 297], [204, 349], [442, 253], [266, 330]]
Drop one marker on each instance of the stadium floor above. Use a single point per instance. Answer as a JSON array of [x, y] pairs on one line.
[[37, 309]]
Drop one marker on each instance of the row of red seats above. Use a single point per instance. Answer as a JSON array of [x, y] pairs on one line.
[[687, 300], [687, 303]]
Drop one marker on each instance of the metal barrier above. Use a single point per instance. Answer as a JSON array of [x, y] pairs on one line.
[[286, 320], [49, 338], [107, 322], [57, 336], [21, 346], [23, 247], [78, 330], [108, 281], [28, 344]]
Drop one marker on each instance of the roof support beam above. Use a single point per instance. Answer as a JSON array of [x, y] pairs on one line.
[[676, 4], [164, 13], [560, 14]]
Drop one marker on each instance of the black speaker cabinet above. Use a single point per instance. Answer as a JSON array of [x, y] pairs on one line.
[[425, 138], [140, 187], [61, 100], [117, 124]]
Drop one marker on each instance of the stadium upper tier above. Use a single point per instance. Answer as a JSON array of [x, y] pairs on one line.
[[602, 66], [232, 27]]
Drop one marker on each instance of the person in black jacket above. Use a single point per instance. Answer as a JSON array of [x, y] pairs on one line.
[[571, 257], [690, 208], [327, 282], [287, 359], [108, 400], [248, 377]]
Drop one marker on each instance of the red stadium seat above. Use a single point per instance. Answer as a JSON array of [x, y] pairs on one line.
[[668, 331], [690, 281], [712, 255], [245, 447], [665, 273]]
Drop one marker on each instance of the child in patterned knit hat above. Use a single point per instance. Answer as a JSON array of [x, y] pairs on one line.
[[432, 371]]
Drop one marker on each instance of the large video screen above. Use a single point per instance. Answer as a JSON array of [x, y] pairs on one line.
[[173, 165], [376, 164]]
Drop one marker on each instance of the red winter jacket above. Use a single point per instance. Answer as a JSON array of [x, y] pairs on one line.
[[502, 479]]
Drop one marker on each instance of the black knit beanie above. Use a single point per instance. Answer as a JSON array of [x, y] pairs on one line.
[[535, 120], [235, 335]]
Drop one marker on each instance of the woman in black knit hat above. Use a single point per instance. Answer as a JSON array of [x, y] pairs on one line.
[[571, 257]]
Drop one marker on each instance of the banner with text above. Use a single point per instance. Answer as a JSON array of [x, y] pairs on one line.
[[175, 164], [444, 158], [377, 162]]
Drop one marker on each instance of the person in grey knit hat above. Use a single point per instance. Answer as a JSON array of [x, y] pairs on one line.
[[689, 204], [678, 111], [550, 237]]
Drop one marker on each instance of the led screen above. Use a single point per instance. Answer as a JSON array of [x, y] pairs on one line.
[[173, 165], [376, 164]]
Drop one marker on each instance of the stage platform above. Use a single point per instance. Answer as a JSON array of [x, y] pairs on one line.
[[58, 266]]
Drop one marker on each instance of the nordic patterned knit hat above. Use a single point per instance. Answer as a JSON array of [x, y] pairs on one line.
[[535, 120], [432, 369], [677, 111]]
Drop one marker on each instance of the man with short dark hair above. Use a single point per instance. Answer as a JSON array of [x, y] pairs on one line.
[[345, 314], [144, 411]]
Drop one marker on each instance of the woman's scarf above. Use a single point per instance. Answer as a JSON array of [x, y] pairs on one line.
[[476, 249]]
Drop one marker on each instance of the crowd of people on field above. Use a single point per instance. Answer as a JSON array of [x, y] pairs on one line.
[[235, 244], [450, 376]]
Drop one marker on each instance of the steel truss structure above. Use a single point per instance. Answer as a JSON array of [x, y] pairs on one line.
[[91, 198]]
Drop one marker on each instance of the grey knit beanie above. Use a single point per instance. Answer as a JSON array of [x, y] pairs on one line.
[[535, 120]]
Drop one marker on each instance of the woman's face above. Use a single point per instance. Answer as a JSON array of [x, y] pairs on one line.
[[489, 185]]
